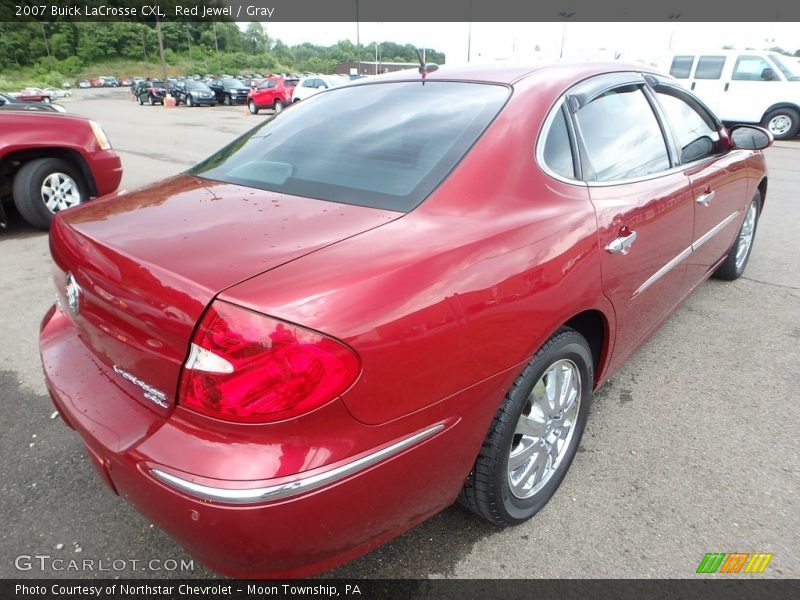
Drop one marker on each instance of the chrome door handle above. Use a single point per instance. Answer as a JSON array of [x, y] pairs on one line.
[[621, 245], [705, 198]]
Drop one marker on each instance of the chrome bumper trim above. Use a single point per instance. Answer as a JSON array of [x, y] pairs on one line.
[[293, 488]]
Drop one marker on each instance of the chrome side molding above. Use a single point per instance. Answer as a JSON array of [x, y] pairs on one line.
[[296, 487]]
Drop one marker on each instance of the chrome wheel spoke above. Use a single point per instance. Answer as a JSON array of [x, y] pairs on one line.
[[521, 454], [530, 426], [539, 468]]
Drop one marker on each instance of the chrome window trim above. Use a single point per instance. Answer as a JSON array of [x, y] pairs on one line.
[[296, 487], [542, 141], [685, 254]]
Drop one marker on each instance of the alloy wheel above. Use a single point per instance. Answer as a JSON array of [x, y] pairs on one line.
[[545, 429], [59, 192], [746, 235]]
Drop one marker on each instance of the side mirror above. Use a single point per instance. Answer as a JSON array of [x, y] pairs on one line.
[[749, 137], [768, 74]]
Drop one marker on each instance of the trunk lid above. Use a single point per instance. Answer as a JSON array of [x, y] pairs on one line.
[[144, 266]]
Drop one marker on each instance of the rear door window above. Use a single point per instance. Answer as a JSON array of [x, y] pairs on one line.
[[621, 135], [709, 67], [389, 146]]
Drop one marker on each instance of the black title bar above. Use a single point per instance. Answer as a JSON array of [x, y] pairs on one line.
[[398, 10]]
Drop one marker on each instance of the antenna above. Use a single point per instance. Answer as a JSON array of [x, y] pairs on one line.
[[425, 68]]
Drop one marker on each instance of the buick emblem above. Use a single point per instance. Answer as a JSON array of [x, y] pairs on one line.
[[73, 291]]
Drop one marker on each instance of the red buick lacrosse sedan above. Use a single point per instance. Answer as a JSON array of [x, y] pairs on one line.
[[394, 295]]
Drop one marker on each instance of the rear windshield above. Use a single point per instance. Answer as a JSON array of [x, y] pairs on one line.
[[384, 145]]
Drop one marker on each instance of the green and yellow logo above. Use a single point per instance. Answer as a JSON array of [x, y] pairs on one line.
[[734, 562]]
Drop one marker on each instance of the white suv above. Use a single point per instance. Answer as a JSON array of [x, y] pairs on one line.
[[744, 86], [313, 84]]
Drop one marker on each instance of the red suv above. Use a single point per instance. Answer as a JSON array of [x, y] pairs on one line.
[[273, 92], [50, 162]]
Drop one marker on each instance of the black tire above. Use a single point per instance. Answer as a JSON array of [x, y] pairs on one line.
[[28, 185], [787, 121], [227, 100], [277, 106], [487, 491], [46, 100], [139, 100], [189, 101], [150, 100], [251, 106], [735, 264]]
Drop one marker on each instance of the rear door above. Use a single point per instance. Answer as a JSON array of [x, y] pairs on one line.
[[644, 206], [718, 178]]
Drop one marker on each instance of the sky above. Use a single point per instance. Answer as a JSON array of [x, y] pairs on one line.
[[648, 42]]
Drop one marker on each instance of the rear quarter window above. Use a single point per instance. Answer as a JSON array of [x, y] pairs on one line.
[[389, 145]]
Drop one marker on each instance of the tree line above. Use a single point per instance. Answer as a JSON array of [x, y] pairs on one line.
[[69, 48]]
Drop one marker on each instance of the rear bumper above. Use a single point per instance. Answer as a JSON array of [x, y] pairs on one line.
[[308, 517]]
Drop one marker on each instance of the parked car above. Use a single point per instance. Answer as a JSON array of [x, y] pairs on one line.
[[229, 91], [83, 83], [308, 86], [52, 162], [193, 93], [109, 81], [10, 103], [273, 92], [126, 82], [386, 311], [32, 95], [745, 86], [66, 85], [57, 93], [150, 91]]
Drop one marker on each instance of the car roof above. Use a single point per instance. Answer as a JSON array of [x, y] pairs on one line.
[[510, 73]]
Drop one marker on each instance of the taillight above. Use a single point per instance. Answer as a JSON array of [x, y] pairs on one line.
[[250, 368]]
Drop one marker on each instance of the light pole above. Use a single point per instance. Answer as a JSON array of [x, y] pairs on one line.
[[189, 41], [358, 41], [216, 45], [672, 17], [565, 15]]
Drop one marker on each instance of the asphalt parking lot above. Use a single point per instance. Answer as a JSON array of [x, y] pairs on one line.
[[691, 448]]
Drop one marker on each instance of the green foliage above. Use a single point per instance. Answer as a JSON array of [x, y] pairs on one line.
[[85, 49]]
